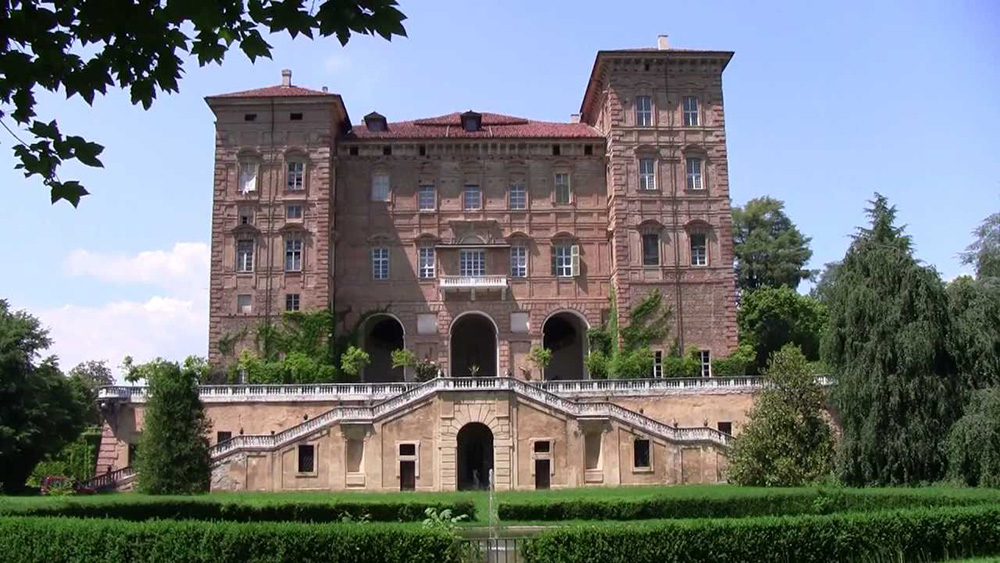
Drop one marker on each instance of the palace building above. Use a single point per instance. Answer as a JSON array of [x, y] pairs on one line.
[[469, 238]]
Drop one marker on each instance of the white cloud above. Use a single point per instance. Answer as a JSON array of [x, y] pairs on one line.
[[336, 62], [183, 269]]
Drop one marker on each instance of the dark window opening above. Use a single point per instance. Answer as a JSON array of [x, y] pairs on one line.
[[249, 117], [588, 150], [223, 436], [292, 302], [407, 449], [646, 67], [353, 151], [295, 117], [556, 150], [543, 469], [307, 459], [407, 475], [726, 428], [423, 150], [650, 250], [640, 458], [541, 446], [387, 150]]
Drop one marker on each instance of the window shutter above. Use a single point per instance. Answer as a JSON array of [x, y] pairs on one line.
[[574, 255], [555, 270]]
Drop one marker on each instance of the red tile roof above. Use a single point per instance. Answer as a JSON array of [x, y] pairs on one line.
[[493, 126], [275, 92]]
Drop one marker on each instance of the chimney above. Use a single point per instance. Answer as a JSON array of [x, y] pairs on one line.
[[574, 118], [286, 78], [662, 42]]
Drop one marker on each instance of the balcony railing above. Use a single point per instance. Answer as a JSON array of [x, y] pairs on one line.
[[473, 283]]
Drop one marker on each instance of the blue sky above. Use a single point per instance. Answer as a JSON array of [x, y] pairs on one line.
[[825, 104]]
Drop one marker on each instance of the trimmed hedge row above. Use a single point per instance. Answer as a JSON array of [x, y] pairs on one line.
[[27, 539], [906, 535], [235, 511], [777, 503]]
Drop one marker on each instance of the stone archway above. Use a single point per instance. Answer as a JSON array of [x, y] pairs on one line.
[[473, 347], [382, 335], [565, 334], [475, 456]]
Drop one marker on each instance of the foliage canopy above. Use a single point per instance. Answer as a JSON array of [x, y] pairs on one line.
[[768, 247], [769, 318]]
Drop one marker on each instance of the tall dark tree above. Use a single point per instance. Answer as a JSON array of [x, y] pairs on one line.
[[82, 48], [86, 378], [173, 449], [824, 282], [984, 252], [769, 249], [897, 392], [974, 338], [39, 410], [770, 318], [974, 441]]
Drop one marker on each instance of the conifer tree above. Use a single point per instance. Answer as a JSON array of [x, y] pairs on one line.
[[896, 392], [173, 453]]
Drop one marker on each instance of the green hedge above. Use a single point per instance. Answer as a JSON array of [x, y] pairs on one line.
[[26, 539], [766, 503], [237, 511], [909, 535]]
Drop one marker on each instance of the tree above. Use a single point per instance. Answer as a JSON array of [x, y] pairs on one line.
[[897, 391], [769, 249], [770, 318], [825, 282], [86, 378], [39, 410], [82, 48], [424, 370], [974, 442], [984, 252], [974, 338], [173, 448], [786, 441]]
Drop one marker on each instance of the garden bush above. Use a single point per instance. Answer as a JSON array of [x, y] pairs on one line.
[[68, 539], [237, 511], [756, 503], [905, 535]]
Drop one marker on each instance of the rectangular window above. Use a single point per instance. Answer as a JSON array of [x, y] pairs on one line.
[[472, 262], [426, 266], [293, 212], [244, 255], [473, 198], [380, 187], [296, 177], [293, 254], [658, 363], [542, 447], [563, 189], [566, 260], [699, 250], [518, 262], [726, 427], [380, 263], [592, 450], [246, 215], [647, 174], [294, 116], [705, 358], [640, 454], [307, 458], [222, 436], [243, 305], [291, 301], [643, 111], [518, 196], [355, 455], [694, 180], [691, 112], [650, 249], [426, 200], [407, 449], [248, 177]]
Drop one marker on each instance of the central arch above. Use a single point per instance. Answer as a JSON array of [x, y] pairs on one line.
[[382, 335], [475, 456], [565, 334], [474, 346]]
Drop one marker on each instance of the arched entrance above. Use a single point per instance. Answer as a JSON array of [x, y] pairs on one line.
[[473, 346], [565, 334], [382, 335], [475, 456]]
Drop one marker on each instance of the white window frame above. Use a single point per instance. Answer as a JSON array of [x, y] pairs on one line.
[[380, 263], [415, 458], [249, 176], [692, 115], [295, 175], [560, 186], [294, 217], [567, 260], [381, 187], [644, 111], [293, 301], [294, 251], [699, 258], [245, 259], [422, 202], [245, 212], [426, 260], [695, 173], [466, 200], [517, 195], [647, 174], [705, 360], [656, 242], [657, 363], [244, 308], [472, 262], [518, 261]]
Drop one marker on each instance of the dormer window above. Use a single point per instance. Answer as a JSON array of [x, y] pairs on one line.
[[375, 122], [472, 121]]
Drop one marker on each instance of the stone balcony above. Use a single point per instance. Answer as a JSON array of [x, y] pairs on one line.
[[473, 284]]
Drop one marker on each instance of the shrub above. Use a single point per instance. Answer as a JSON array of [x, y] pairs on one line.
[[66, 539], [973, 443], [737, 363], [236, 511], [424, 370], [927, 534], [687, 365]]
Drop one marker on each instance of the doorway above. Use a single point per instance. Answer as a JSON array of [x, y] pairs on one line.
[[475, 456]]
